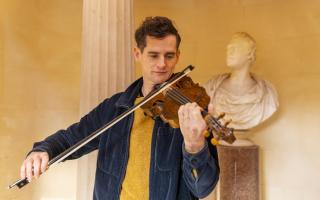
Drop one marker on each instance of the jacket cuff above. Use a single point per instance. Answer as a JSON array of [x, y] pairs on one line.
[[40, 147], [197, 160]]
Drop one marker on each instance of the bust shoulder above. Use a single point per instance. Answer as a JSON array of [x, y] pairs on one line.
[[246, 109]]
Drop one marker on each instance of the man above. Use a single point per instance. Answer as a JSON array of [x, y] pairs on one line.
[[141, 158]]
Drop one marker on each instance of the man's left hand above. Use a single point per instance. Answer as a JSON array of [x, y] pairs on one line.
[[192, 126]]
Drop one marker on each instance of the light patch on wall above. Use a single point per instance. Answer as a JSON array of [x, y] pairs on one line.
[[1, 60], [40, 59]]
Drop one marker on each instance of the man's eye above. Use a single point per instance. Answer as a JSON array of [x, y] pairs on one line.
[[153, 56], [170, 56]]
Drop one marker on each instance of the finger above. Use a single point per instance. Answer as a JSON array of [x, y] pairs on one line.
[[194, 104], [190, 106], [193, 110], [211, 109], [23, 171], [36, 168], [197, 119], [44, 164], [188, 110], [181, 111], [196, 113], [29, 165], [185, 111]]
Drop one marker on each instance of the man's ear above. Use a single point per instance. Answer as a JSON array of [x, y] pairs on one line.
[[136, 53], [178, 54]]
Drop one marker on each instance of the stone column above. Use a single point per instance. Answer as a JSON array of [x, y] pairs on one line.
[[107, 66]]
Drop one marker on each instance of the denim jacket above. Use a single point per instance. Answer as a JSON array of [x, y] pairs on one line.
[[171, 167]]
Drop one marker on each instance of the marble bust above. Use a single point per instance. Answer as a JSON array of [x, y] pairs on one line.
[[244, 97]]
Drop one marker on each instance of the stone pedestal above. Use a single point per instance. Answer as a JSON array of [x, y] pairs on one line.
[[239, 172]]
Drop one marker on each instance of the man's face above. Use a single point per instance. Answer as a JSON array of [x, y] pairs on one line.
[[239, 53], [158, 59]]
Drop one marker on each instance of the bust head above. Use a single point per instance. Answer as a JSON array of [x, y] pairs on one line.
[[241, 50]]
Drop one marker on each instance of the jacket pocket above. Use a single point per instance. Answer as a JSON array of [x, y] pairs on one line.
[[112, 152], [168, 148]]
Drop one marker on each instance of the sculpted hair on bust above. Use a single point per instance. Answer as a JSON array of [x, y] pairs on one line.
[[249, 39], [158, 27]]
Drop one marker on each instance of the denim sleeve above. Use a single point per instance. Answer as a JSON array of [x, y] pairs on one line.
[[201, 170], [63, 139]]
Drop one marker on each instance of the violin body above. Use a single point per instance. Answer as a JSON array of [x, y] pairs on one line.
[[166, 108]]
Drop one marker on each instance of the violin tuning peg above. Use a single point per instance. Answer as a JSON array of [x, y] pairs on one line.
[[221, 115], [214, 141], [227, 123], [206, 133]]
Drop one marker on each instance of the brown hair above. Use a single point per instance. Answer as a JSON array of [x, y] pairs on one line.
[[158, 27]]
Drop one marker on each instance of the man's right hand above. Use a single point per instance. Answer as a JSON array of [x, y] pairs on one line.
[[34, 165]]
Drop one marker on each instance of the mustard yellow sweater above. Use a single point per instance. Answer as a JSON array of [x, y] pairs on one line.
[[136, 182]]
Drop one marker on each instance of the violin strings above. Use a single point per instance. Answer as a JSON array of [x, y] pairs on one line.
[[177, 96], [183, 100], [186, 99], [180, 96]]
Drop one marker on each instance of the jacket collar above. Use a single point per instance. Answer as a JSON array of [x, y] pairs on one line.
[[126, 99]]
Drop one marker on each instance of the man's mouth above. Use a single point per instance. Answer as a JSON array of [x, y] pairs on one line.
[[160, 72]]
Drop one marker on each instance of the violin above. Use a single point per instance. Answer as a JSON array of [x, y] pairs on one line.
[[162, 102], [166, 105]]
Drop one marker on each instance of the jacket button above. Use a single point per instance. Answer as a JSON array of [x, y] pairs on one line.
[[193, 161]]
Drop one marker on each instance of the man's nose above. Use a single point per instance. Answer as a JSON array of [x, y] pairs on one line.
[[162, 62]]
